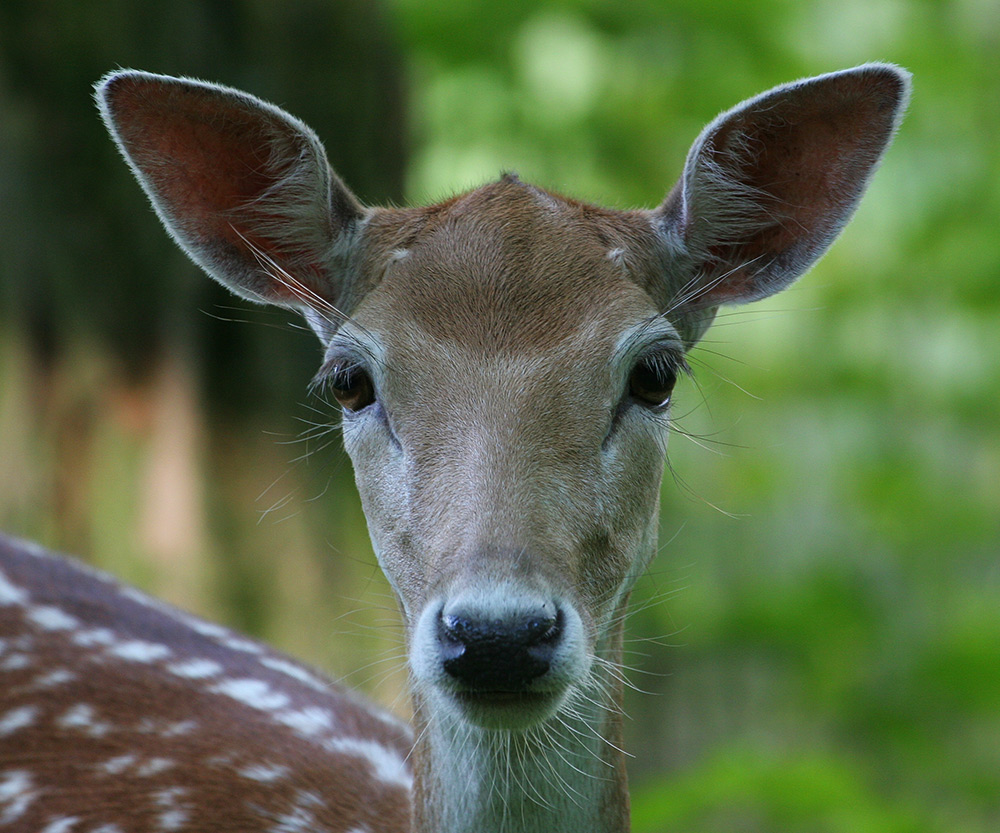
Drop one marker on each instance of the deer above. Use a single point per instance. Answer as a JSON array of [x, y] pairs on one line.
[[504, 362]]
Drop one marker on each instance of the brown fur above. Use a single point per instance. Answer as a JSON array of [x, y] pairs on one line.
[[146, 741]]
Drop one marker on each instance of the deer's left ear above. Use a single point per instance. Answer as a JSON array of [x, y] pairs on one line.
[[243, 187], [768, 185]]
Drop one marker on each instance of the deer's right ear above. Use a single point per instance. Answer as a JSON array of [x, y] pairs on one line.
[[769, 184], [243, 187]]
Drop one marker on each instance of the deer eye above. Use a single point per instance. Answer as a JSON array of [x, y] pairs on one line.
[[352, 387], [652, 382]]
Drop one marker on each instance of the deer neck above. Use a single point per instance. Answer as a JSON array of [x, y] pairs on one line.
[[564, 776]]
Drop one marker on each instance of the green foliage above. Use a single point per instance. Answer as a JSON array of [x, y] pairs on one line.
[[756, 791]]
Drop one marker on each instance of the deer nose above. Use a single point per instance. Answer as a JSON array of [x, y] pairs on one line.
[[505, 654]]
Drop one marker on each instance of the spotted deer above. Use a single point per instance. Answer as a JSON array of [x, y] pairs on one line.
[[504, 362]]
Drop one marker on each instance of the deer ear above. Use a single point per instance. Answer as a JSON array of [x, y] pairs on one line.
[[769, 185], [243, 187]]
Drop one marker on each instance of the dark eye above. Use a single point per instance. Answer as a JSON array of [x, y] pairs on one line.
[[651, 383], [351, 387]]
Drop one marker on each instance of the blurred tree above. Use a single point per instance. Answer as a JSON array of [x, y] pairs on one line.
[[79, 258]]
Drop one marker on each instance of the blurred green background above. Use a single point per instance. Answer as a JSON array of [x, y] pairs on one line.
[[819, 638]]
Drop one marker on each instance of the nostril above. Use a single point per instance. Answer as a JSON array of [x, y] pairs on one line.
[[452, 635], [527, 631], [545, 630], [498, 654]]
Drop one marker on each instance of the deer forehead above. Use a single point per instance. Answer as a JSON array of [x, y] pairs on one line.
[[514, 271]]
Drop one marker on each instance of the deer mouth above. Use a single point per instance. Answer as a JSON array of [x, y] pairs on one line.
[[503, 698], [507, 709]]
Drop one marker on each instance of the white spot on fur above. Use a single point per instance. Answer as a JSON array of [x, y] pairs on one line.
[[107, 828], [255, 693], [265, 773], [206, 628], [117, 765], [181, 727], [139, 651], [398, 254], [17, 719], [173, 819], [174, 814], [144, 769], [301, 819], [11, 594], [81, 716], [195, 669], [154, 766], [243, 645], [298, 820], [16, 795], [15, 662], [94, 636], [387, 764], [309, 721], [166, 729], [52, 679], [63, 825], [294, 671], [53, 619]]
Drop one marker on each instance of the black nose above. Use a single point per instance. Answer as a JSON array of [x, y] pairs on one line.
[[487, 654]]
